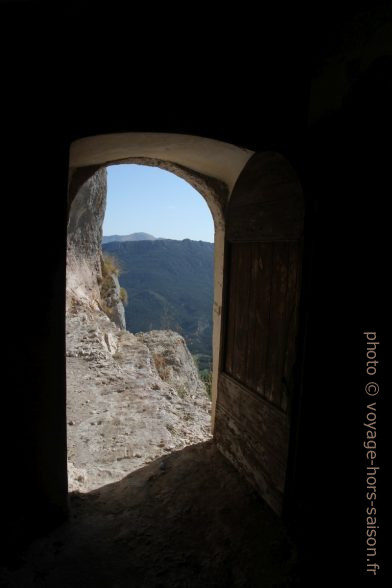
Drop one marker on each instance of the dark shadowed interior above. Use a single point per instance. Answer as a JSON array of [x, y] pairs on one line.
[[279, 498]]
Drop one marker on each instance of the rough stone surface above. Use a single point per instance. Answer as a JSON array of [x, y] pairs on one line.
[[111, 298], [84, 255], [125, 411], [84, 242], [174, 361]]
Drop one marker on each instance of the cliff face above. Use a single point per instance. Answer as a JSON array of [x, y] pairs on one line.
[[85, 267], [111, 302], [84, 242], [130, 398]]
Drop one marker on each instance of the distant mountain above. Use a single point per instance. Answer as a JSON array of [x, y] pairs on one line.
[[131, 237], [170, 286]]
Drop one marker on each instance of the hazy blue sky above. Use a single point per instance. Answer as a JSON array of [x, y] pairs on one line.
[[151, 200]]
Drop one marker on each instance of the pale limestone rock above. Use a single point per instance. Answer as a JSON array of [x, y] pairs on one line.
[[111, 342], [174, 361], [125, 415], [84, 255]]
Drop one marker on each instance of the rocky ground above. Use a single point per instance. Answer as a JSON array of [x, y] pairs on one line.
[[130, 399]]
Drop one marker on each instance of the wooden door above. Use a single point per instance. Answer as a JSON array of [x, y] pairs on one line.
[[264, 228]]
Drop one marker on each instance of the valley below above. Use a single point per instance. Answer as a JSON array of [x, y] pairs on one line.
[[169, 285]]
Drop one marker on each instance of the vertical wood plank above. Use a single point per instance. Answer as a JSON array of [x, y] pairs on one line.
[[230, 319], [246, 335], [292, 301], [262, 301], [252, 324], [277, 330], [241, 322]]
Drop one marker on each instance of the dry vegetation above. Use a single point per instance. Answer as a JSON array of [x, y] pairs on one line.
[[162, 368], [124, 296], [109, 267]]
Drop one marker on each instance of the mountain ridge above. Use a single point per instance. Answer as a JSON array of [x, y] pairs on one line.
[[130, 237]]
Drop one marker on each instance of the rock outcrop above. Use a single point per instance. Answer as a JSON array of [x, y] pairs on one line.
[[88, 280], [84, 239], [111, 300], [174, 361]]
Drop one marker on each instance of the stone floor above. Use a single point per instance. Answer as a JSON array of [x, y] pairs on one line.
[[185, 520]]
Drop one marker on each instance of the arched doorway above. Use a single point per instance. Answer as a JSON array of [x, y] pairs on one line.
[[134, 387], [257, 205]]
